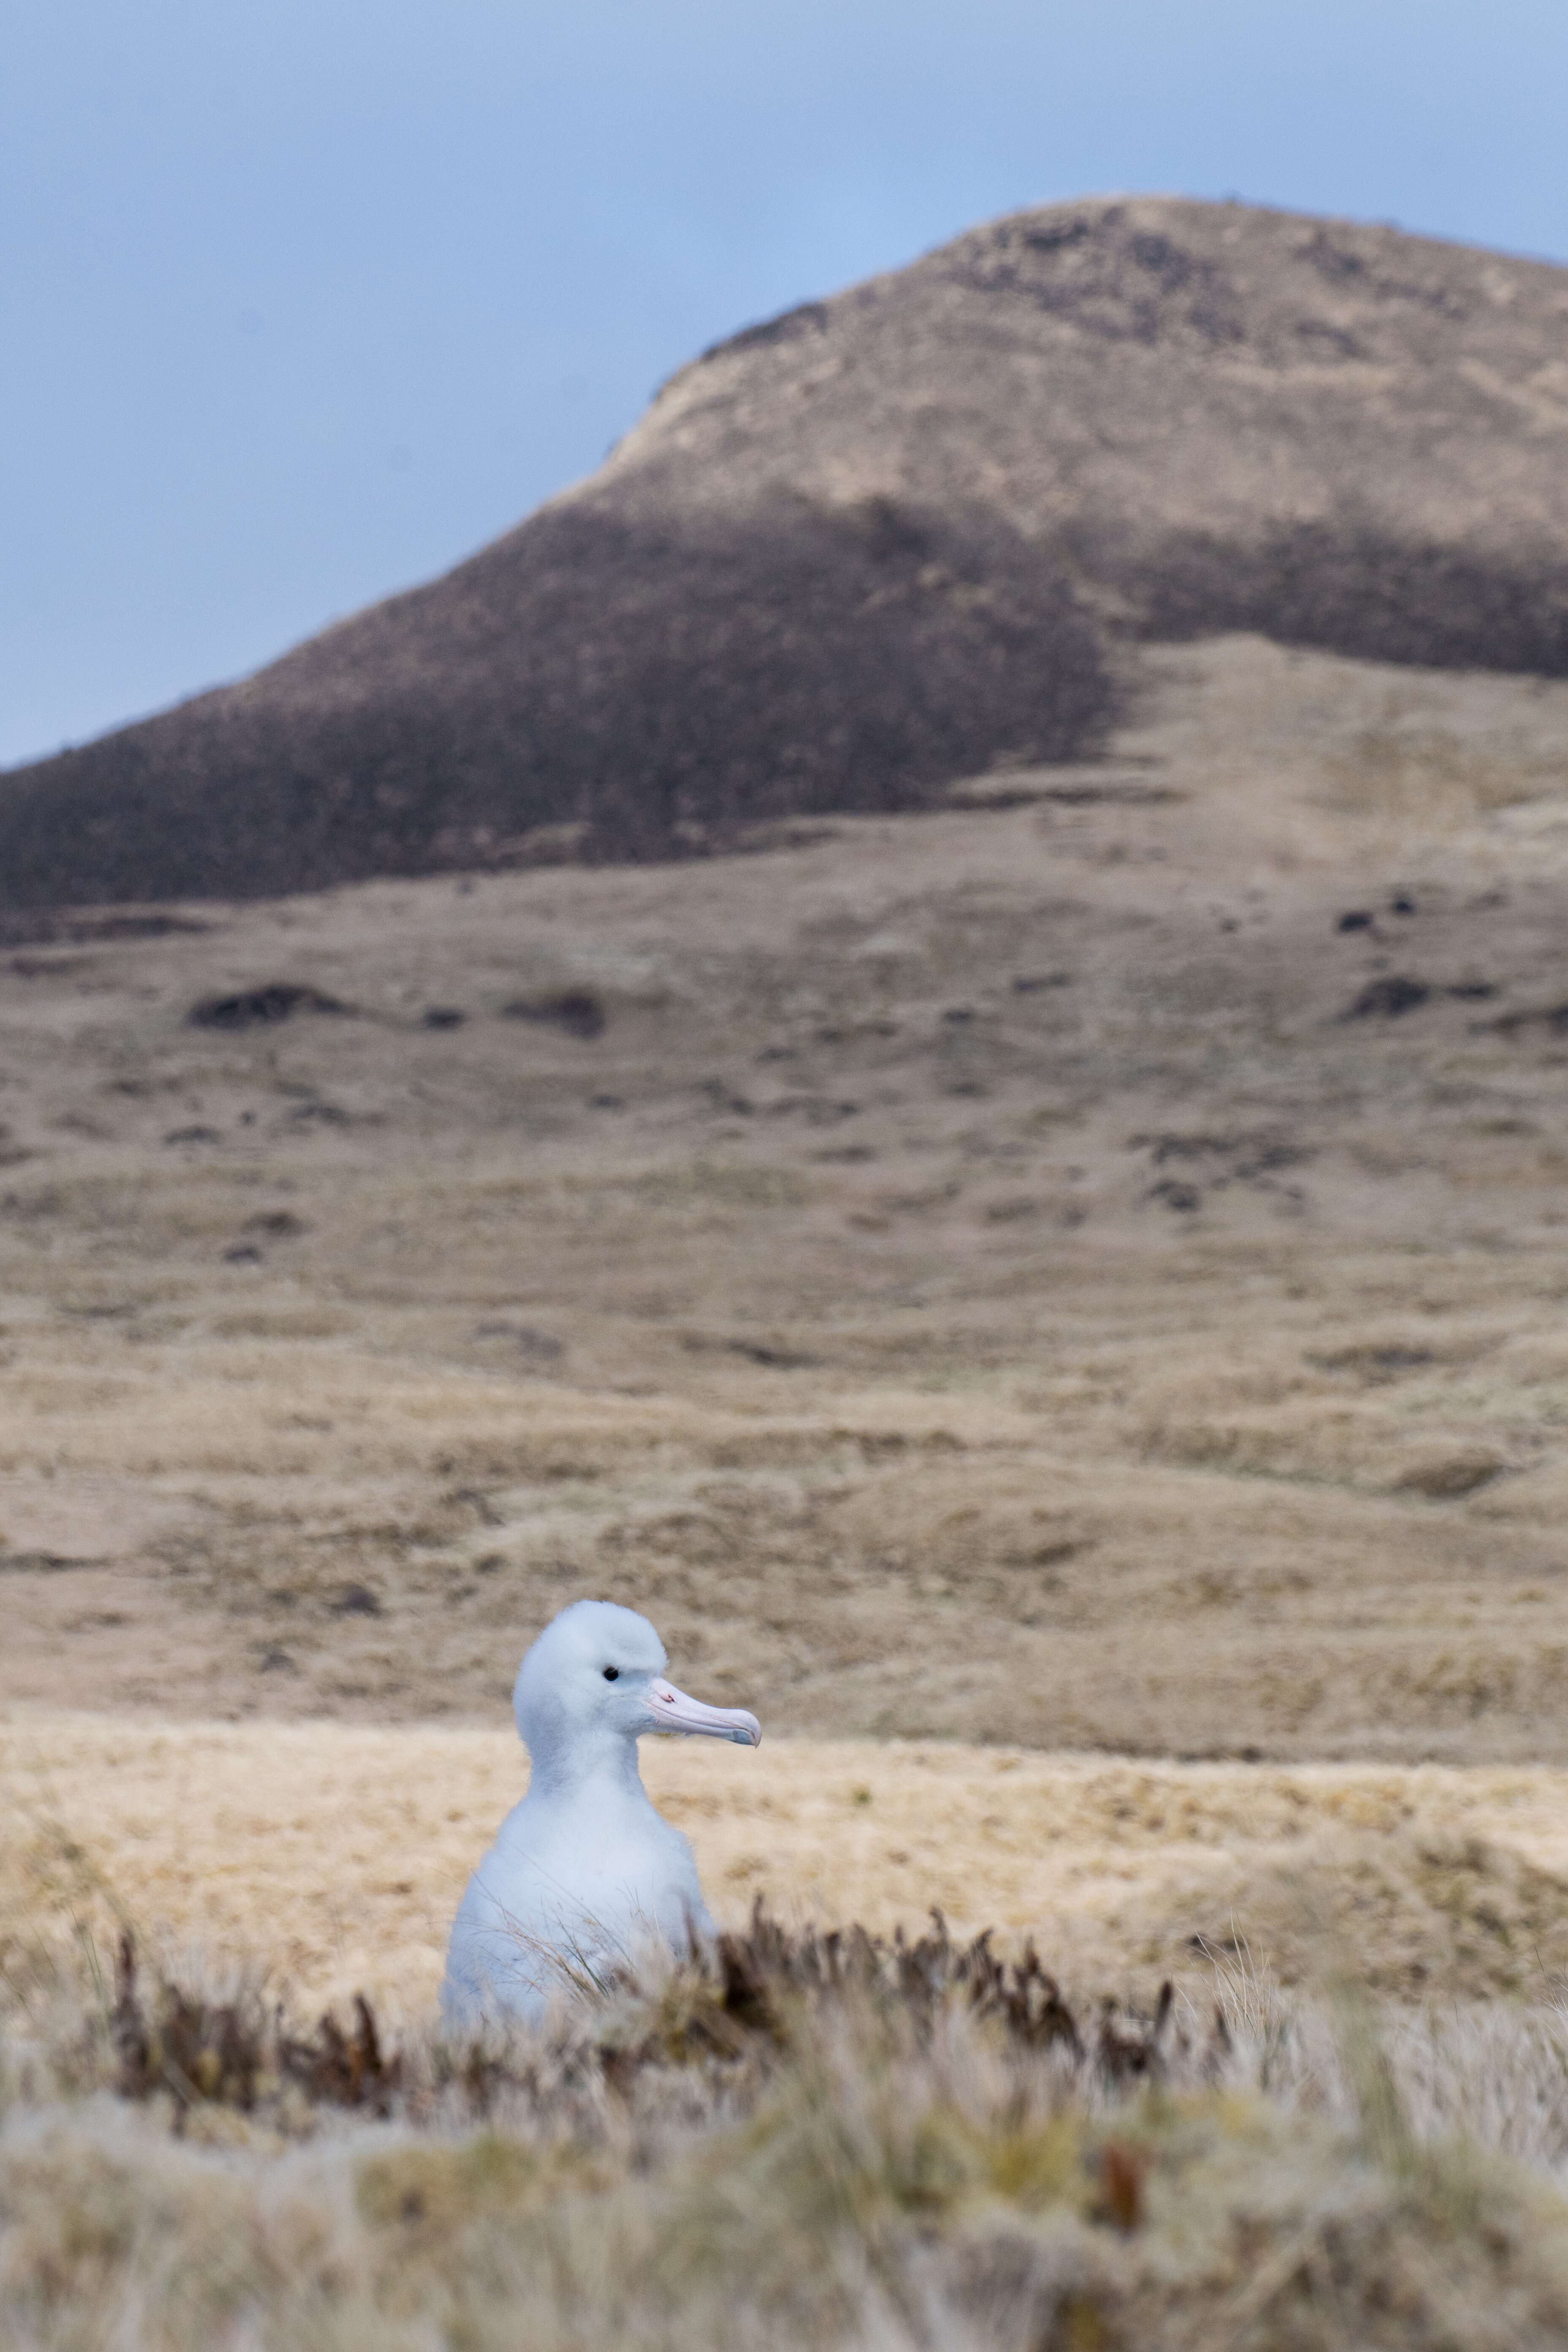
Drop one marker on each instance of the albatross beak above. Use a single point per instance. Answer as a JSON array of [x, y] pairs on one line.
[[671, 1710]]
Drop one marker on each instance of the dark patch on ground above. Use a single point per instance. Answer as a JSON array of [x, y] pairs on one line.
[[1388, 998], [1548, 1016], [753, 1351], [538, 1347], [254, 1008], [40, 1563], [1254, 1161], [357, 1600], [576, 1011], [1176, 1194], [326, 1113]]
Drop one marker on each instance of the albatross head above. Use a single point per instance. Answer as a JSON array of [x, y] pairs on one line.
[[595, 1676]]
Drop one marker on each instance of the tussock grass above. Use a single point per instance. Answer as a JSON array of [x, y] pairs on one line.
[[814, 2141]]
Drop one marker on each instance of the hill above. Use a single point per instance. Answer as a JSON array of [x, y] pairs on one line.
[[890, 539]]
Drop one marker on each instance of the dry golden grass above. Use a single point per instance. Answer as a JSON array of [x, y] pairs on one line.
[[334, 1854]]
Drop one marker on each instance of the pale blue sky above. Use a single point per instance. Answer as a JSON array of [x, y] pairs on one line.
[[304, 299]]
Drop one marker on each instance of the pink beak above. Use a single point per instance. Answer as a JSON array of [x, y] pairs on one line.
[[671, 1710]]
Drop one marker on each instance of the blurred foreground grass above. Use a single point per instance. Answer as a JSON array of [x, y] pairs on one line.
[[802, 2144]]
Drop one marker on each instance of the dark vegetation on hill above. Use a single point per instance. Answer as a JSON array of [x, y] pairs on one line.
[[887, 541], [1351, 587], [642, 685]]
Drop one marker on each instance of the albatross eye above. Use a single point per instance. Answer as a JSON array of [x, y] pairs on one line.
[[612, 1673]]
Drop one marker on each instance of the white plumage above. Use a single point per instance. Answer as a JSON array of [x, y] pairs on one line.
[[584, 1873]]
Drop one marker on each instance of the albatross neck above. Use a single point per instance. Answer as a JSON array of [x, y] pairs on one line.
[[597, 1759]]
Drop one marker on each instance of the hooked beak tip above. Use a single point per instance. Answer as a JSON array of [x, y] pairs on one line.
[[672, 1710]]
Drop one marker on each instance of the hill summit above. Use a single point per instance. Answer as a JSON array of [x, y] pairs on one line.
[[887, 541]]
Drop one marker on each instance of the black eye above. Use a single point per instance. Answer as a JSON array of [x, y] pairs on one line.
[[612, 1673]]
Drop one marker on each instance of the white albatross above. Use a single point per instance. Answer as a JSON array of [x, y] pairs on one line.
[[584, 1873]]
